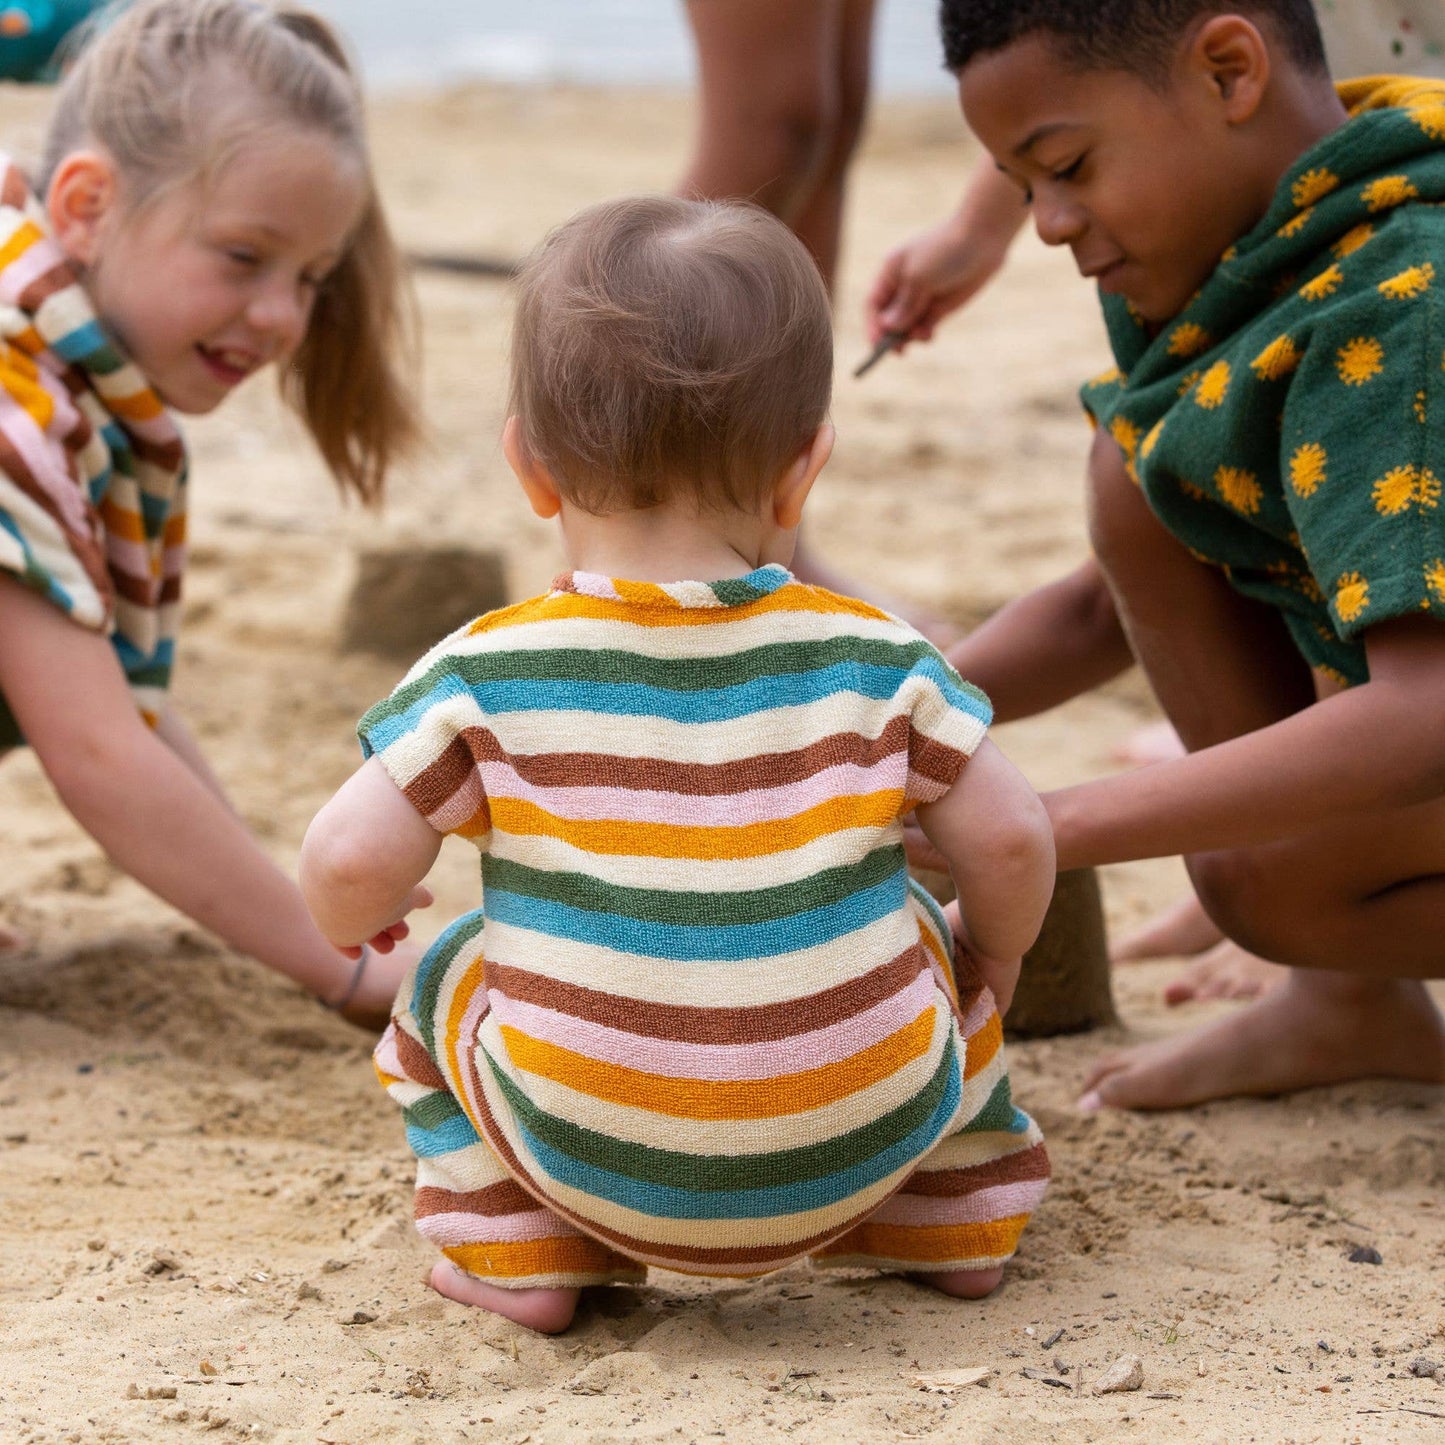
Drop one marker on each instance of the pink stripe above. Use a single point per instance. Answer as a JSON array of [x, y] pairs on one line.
[[924, 1211], [631, 805], [386, 1056], [978, 1016], [453, 1228], [592, 584], [720, 1062], [465, 803], [39, 453], [28, 266]]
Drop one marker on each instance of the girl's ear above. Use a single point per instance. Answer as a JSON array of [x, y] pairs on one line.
[[795, 483], [82, 194], [541, 490]]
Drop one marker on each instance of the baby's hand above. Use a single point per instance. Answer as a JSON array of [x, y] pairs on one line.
[[383, 942], [1001, 975]]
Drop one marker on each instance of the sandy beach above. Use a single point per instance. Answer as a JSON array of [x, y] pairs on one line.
[[205, 1198]]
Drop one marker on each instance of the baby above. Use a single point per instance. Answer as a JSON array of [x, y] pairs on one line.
[[703, 1019]]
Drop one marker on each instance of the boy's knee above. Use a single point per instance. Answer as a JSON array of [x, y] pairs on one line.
[[1248, 899], [1118, 513]]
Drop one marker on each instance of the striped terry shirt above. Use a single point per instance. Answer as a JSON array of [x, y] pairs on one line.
[[704, 1015], [92, 466]]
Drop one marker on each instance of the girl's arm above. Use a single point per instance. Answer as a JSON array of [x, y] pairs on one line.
[[141, 802], [994, 835], [364, 857], [1377, 746]]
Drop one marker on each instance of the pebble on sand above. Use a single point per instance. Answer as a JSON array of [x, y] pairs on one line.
[[1126, 1373]]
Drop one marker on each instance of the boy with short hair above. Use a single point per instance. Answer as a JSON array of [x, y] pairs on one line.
[[702, 1019], [1265, 501]]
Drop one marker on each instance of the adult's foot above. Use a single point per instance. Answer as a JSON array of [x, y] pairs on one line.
[[1317, 1028], [1226, 971], [548, 1311], [1180, 931], [963, 1283], [11, 941]]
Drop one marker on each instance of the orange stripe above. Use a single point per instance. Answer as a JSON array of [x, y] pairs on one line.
[[138, 406], [981, 1047], [722, 1099], [574, 605], [122, 521], [937, 1244], [27, 233], [559, 1254], [665, 840]]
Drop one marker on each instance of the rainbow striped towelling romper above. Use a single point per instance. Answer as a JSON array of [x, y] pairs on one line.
[[703, 1019]]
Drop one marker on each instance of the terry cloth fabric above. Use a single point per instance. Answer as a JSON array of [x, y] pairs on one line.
[[702, 1020], [1287, 424], [92, 467]]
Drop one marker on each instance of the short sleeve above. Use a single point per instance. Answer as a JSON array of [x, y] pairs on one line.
[[948, 719], [430, 735], [1361, 451]]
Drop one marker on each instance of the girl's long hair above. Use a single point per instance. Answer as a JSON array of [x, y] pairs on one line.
[[171, 90]]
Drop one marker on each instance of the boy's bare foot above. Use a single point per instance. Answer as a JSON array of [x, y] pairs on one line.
[[1155, 742], [963, 1283], [1226, 971], [1317, 1028], [1182, 929], [548, 1311]]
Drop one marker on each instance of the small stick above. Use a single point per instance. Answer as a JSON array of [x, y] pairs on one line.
[[889, 341]]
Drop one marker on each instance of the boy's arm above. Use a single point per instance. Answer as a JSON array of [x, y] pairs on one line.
[[1046, 646], [364, 856], [1377, 746], [994, 833]]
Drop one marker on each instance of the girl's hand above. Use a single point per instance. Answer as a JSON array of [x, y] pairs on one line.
[[393, 933]]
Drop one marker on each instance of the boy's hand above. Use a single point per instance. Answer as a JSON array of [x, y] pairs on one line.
[[928, 276], [383, 942]]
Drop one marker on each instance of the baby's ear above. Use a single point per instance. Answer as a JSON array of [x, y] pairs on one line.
[[81, 196], [795, 483], [536, 481]]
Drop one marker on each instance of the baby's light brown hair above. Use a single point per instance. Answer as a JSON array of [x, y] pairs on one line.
[[664, 347]]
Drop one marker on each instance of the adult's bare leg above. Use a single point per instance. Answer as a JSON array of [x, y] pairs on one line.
[[1356, 909]]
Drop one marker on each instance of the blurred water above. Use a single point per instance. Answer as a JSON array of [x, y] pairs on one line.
[[598, 42]]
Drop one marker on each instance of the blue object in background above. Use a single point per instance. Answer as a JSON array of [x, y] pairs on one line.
[[31, 32]]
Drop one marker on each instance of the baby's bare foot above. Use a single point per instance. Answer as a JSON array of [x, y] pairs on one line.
[[548, 1311], [1226, 971], [1181, 930], [1316, 1028], [963, 1283]]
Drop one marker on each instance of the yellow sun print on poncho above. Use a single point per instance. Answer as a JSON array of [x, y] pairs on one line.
[[1296, 223], [1352, 596], [1188, 339], [1307, 468], [1351, 241], [1389, 191], [1360, 360], [1412, 282], [1313, 185], [1404, 487], [1277, 360], [1239, 488], [1430, 117], [1213, 386], [1325, 284], [1435, 578]]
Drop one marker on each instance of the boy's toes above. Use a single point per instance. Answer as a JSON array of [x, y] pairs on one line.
[[1225, 972]]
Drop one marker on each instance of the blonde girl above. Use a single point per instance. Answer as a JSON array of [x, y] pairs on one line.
[[205, 209]]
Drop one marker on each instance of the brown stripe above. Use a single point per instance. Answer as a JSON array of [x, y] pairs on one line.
[[686, 1023], [58, 278], [495, 1201], [418, 1065], [571, 770], [935, 760], [1025, 1165]]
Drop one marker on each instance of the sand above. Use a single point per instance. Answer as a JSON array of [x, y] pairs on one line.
[[206, 1206]]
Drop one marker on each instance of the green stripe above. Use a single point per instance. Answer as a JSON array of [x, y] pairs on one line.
[[432, 972], [668, 906], [729, 1171], [997, 1115], [677, 674], [432, 1112]]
